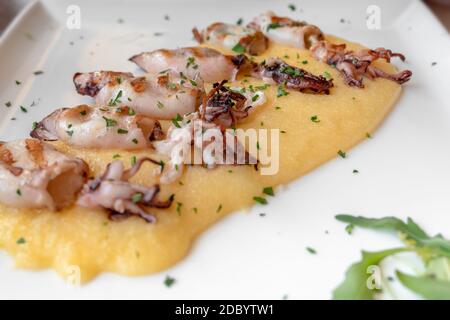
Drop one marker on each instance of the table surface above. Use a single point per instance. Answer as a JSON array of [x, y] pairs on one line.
[[9, 9]]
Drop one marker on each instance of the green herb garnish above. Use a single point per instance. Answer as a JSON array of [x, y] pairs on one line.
[[176, 120], [342, 154], [274, 25], [281, 91], [137, 197], [315, 119], [116, 100], [110, 122], [169, 281], [260, 200], [238, 48], [268, 191]]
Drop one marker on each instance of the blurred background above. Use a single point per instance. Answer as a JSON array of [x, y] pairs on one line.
[[9, 8]]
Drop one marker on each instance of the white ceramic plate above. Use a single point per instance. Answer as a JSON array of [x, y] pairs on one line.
[[404, 169]]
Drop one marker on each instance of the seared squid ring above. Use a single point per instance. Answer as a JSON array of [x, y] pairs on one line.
[[33, 174], [159, 96], [90, 127]]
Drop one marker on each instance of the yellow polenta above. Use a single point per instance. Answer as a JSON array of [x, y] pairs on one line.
[[87, 239]]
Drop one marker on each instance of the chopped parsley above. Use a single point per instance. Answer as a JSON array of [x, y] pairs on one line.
[[172, 86], [8, 104], [219, 208], [162, 164], [18, 192], [274, 25], [135, 141], [160, 104], [238, 48], [311, 250], [137, 197], [34, 125], [69, 133], [342, 154], [355, 171], [191, 63], [349, 228], [268, 191], [133, 160], [21, 240], [292, 7], [262, 87], [240, 21], [131, 112], [294, 72], [116, 156], [260, 200], [368, 135], [255, 97], [176, 120], [327, 74], [18, 82], [315, 119], [116, 100], [23, 109], [122, 131], [193, 83], [38, 72], [179, 206], [169, 281], [110, 122], [305, 62], [281, 91]]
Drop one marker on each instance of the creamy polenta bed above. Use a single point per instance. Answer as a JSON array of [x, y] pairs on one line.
[[127, 183]]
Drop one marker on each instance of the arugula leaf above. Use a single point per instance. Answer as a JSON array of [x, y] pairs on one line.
[[427, 286], [437, 244], [354, 286]]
